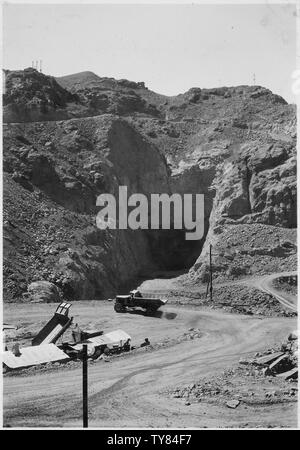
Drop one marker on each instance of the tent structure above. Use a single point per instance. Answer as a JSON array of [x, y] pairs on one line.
[[30, 356]]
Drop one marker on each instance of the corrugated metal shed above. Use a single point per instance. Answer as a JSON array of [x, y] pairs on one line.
[[31, 356]]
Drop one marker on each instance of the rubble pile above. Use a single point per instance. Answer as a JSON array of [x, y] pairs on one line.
[[283, 363], [269, 377]]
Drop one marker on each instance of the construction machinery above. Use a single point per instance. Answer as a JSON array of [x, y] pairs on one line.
[[56, 326], [135, 299]]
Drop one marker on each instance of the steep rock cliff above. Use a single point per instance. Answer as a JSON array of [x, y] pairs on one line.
[[235, 145]]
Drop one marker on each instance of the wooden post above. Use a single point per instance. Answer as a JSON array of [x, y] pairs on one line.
[[84, 386], [210, 270]]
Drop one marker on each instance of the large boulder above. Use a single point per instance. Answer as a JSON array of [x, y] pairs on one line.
[[43, 292]]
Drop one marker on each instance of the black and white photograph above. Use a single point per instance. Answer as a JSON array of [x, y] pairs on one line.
[[149, 217]]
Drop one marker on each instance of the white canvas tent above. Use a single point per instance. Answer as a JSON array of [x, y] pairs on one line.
[[31, 356]]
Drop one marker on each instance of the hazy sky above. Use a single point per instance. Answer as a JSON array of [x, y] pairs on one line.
[[170, 47]]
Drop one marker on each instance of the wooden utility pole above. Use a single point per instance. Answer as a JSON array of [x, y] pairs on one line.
[[84, 386], [210, 272], [207, 288]]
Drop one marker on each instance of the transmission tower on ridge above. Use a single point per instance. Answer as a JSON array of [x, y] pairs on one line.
[[37, 65]]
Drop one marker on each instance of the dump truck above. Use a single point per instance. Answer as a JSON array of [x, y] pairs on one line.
[[135, 299]]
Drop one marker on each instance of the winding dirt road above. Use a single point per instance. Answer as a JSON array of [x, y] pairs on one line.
[[266, 284], [127, 392]]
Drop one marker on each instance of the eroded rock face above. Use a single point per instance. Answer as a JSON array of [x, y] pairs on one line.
[[61, 191], [265, 205], [234, 145]]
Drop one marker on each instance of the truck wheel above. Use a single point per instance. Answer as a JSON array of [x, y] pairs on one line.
[[119, 308]]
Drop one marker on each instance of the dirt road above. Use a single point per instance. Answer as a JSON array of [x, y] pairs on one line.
[[127, 392], [266, 284]]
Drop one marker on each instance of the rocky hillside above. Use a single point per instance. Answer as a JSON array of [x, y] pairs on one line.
[[30, 95], [236, 145]]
